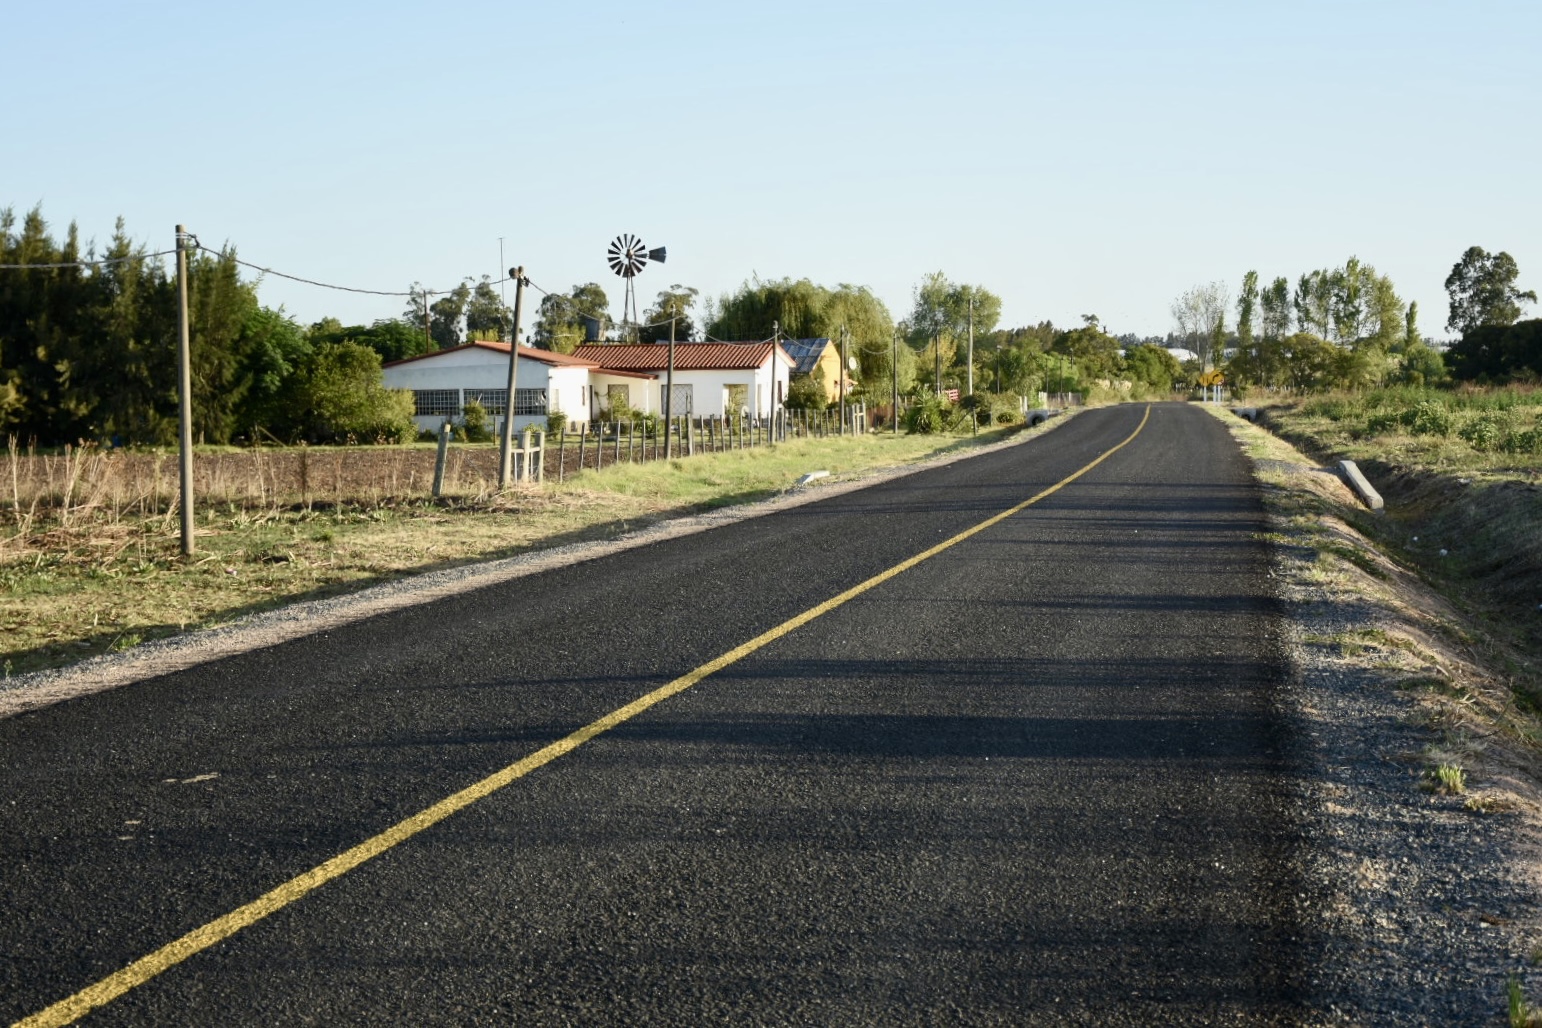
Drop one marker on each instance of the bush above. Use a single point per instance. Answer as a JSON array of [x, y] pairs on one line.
[[1489, 430], [1528, 441], [1431, 417], [556, 421], [475, 422], [925, 415]]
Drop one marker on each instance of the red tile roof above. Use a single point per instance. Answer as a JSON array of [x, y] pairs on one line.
[[688, 356], [560, 360]]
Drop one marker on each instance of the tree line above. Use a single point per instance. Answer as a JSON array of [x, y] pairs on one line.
[[88, 342], [1346, 328]]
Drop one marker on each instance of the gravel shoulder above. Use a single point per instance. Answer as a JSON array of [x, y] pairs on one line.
[[1424, 898]]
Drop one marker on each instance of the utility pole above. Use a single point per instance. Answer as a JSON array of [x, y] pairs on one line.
[[937, 353], [426, 329], [669, 393], [845, 334], [506, 453], [971, 344], [185, 393], [894, 374]]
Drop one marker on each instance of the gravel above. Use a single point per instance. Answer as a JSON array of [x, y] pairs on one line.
[[1422, 908]]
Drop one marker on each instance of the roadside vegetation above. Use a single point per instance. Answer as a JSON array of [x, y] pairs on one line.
[[89, 544], [1462, 473]]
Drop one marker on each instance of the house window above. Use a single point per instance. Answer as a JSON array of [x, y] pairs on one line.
[[530, 401], [493, 401], [682, 400], [435, 402]]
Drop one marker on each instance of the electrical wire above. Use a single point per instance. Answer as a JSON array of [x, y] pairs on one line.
[[89, 264]]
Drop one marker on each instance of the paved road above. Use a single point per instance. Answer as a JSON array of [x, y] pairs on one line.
[[1033, 779]]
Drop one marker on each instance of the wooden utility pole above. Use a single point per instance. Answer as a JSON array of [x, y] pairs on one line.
[[506, 453], [669, 394], [845, 332], [971, 344], [185, 393], [894, 373]]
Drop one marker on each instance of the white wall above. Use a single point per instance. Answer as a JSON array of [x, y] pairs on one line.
[[708, 389], [477, 368]]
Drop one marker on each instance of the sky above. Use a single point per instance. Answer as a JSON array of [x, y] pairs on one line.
[[1099, 157]]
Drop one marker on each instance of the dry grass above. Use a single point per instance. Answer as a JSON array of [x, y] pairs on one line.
[[90, 542]]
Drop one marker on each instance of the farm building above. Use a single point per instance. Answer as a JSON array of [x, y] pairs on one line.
[[820, 359], [711, 379], [443, 382]]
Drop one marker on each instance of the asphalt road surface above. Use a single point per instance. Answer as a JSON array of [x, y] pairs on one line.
[[1035, 778]]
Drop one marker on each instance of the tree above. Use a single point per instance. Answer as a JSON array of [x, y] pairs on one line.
[[1154, 366], [338, 396], [1247, 301], [796, 309], [1197, 312], [445, 315], [1482, 290], [675, 302], [393, 338], [1094, 353], [942, 316], [486, 316], [565, 320], [1308, 361], [1313, 303], [1274, 307]]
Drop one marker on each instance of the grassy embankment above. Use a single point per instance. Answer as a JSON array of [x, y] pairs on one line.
[[1462, 476], [89, 544]]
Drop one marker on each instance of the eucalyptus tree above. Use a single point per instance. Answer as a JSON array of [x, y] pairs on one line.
[[561, 322], [486, 315], [1483, 291], [675, 302]]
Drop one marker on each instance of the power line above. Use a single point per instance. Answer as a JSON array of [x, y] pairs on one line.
[[106, 262], [322, 285]]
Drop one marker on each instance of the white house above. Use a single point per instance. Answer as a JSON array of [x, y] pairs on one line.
[[711, 379], [444, 381]]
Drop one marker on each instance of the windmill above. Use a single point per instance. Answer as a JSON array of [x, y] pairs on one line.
[[628, 256]]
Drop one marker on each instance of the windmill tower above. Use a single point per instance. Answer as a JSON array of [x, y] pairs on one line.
[[628, 256]]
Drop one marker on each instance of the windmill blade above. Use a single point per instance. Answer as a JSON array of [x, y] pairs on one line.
[[656, 255], [627, 255]]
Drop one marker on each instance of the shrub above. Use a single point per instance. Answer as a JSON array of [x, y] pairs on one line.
[[1489, 429], [1528, 441], [1431, 417], [925, 415], [556, 421], [475, 422]]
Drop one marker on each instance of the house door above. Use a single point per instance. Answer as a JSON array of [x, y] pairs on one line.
[[736, 400]]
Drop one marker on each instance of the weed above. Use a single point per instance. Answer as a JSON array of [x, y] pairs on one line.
[[1521, 1013], [126, 641], [1445, 780]]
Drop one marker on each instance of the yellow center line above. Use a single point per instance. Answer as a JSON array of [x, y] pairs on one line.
[[142, 970]]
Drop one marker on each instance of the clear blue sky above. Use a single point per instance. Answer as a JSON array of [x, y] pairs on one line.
[[1095, 157]]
